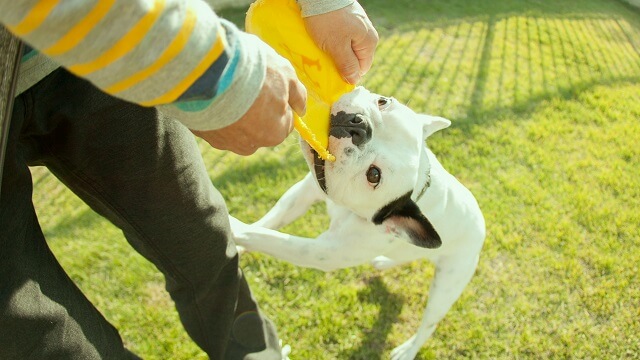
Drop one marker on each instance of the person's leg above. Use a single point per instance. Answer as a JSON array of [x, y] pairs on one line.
[[145, 174], [43, 315]]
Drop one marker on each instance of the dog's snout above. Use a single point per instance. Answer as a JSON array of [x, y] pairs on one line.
[[350, 125]]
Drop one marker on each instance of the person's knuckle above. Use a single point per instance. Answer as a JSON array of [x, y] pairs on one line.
[[245, 151], [276, 138], [374, 32]]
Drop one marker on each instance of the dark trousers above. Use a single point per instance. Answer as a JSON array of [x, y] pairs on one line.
[[144, 173]]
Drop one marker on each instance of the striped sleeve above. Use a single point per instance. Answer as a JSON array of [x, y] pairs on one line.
[[174, 54]]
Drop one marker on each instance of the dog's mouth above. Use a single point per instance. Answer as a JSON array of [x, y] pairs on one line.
[[318, 166]]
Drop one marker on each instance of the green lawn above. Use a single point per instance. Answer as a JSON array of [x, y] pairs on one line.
[[544, 97]]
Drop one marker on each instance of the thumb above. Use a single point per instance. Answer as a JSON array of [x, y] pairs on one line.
[[346, 61]]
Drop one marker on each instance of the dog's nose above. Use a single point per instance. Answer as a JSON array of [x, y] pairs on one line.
[[350, 125]]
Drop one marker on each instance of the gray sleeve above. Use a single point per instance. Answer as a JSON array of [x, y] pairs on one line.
[[317, 7]]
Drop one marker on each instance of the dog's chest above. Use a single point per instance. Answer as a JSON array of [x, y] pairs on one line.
[[360, 236]]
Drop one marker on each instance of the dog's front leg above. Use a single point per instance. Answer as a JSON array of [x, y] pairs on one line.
[[452, 275], [293, 204], [328, 252]]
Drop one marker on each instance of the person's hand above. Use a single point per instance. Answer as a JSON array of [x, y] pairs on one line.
[[348, 36], [270, 119]]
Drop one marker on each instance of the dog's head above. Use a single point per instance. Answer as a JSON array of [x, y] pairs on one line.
[[381, 165]]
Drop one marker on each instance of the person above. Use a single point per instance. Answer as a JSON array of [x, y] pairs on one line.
[[115, 124]]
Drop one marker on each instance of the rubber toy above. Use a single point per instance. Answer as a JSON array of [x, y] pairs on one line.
[[279, 23]]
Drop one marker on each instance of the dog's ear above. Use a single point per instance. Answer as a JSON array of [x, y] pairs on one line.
[[431, 124], [405, 214]]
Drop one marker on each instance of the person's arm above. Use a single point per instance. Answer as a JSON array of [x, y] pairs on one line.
[[151, 52]]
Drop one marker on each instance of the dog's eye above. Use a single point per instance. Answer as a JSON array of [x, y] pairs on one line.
[[383, 102], [373, 176]]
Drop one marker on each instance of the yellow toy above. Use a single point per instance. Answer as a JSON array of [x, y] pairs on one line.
[[279, 23]]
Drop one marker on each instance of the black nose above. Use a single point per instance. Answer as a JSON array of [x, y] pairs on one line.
[[350, 125]]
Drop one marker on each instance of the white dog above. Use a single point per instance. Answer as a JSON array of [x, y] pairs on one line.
[[390, 202]]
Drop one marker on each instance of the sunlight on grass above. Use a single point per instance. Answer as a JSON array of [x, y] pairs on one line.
[[544, 97]]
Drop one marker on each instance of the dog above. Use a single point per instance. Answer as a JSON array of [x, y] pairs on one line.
[[390, 202]]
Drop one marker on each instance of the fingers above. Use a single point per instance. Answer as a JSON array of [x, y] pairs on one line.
[[278, 134], [296, 102], [365, 50], [289, 123], [297, 97], [228, 140], [346, 61], [354, 58]]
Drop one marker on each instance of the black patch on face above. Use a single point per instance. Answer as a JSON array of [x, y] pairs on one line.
[[405, 213]]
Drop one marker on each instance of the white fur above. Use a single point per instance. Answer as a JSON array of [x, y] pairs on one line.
[[398, 148]]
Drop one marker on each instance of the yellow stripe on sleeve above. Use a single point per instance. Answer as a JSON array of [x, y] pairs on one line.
[[175, 47], [35, 17], [124, 45], [81, 29], [213, 54]]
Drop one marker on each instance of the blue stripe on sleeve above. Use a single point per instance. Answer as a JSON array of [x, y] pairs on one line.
[[202, 88], [201, 94], [28, 52]]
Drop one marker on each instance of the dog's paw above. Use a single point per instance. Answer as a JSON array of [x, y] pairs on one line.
[[286, 350], [383, 263], [406, 351], [241, 233]]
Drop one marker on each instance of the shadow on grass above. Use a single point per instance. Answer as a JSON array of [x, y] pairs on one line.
[[67, 226], [471, 61], [373, 344], [49, 194], [472, 69], [247, 172]]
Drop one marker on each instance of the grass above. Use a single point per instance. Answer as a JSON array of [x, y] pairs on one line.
[[545, 102]]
